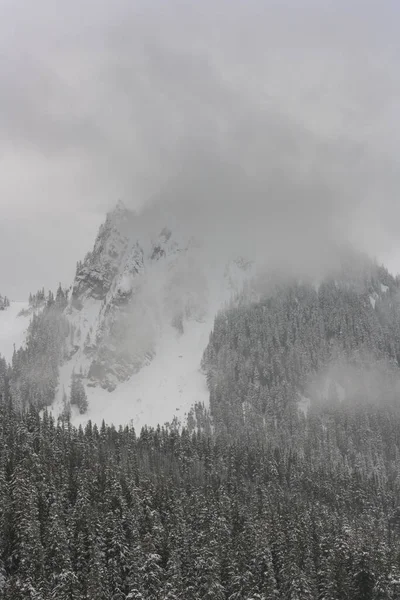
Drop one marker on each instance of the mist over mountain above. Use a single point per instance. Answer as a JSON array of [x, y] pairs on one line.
[[140, 326], [292, 103], [200, 394], [258, 441]]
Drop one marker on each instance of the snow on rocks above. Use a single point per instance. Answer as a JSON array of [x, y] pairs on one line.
[[141, 312]]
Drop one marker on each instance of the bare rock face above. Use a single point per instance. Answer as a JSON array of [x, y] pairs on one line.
[[132, 285], [95, 276]]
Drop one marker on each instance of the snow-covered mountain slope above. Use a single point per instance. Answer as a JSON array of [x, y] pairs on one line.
[[142, 308], [13, 326], [165, 387]]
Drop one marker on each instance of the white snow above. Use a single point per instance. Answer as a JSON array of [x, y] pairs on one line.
[[171, 383], [125, 284], [373, 301], [165, 388], [12, 328], [384, 288]]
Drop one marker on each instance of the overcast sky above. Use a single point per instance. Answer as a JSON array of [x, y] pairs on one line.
[[151, 99]]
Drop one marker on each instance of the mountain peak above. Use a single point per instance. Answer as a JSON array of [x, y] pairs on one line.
[[119, 215], [119, 208]]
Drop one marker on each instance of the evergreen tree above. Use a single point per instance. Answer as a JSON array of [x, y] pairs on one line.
[[78, 395]]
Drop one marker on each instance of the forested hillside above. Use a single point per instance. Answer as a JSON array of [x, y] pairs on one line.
[[35, 366], [287, 489], [305, 341], [101, 514]]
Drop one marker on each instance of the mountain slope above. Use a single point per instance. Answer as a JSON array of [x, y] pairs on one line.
[[167, 386], [303, 344], [142, 308], [155, 322]]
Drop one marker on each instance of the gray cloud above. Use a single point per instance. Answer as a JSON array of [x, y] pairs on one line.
[[279, 121]]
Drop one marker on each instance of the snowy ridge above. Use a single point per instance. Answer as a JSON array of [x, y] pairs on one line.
[[141, 312]]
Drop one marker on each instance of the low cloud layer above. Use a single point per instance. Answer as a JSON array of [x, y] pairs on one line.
[[259, 121]]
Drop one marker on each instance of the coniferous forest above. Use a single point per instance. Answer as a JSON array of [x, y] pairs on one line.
[[100, 513], [288, 488]]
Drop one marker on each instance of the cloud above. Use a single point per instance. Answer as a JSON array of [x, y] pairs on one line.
[[257, 119]]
